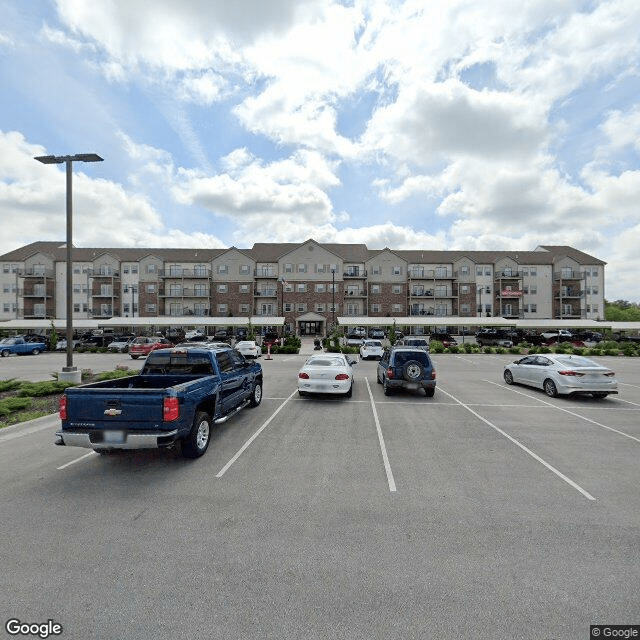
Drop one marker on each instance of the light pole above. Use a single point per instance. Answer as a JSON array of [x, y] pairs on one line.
[[69, 372], [333, 299]]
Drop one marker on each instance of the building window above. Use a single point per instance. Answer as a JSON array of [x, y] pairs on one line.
[[478, 271], [223, 269], [150, 308], [244, 288], [151, 288], [302, 307], [375, 308], [465, 308], [134, 268], [223, 308], [396, 270], [245, 308], [375, 289], [105, 289], [441, 272], [464, 288], [319, 308], [396, 308], [533, 289], [245, 270], [301, 288], [320, 288], [533, 271], [487, 271], [396, 288], [302, 268], [288, 306], [223, 288], [175, 309], [288, 268], [76, 307], [376, 270], [175, 290], [200, 290], [152, 268]]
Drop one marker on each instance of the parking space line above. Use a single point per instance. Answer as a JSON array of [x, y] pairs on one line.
[[571, 413], [86, 455], [253, 437], [385, 458], [528, 451]]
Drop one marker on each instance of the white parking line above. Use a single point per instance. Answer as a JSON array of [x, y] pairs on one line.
[[525, 449], [86, 455], [253, 437], [571, 413], [385, 458]]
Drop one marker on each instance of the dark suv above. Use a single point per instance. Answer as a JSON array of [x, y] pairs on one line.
[[406, 368]]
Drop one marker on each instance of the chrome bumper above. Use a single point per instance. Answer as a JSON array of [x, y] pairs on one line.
[[151, 440]]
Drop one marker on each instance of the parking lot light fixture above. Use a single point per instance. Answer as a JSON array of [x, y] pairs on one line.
[[69, 372]]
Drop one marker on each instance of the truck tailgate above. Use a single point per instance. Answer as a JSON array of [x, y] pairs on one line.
[[138, 408]]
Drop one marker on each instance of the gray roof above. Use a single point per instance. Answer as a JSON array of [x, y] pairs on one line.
[[272, 252]]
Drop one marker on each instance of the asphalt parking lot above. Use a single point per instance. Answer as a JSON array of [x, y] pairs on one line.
[[487, 511]]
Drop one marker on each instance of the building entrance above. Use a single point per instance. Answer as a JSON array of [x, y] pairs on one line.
[[310, 328]]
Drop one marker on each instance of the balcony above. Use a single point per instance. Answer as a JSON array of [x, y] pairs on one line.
[[571, 293], [355, 273], [100, 294], [266, 293], [569, 274], [36, 273], [355, 293], [508, 274], [185, 292], [185, 273], [265, 272]]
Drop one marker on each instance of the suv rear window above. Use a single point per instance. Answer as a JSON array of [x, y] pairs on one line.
[[402, 357]]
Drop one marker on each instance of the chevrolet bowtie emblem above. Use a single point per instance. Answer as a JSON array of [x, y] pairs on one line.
[[112, 412]]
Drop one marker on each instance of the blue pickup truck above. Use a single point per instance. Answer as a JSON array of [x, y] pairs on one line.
[[177, 397], [20, 346]]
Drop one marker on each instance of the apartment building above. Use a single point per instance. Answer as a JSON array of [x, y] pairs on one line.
[[308, 285]]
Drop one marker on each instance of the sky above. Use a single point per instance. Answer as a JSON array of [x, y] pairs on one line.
[[449, 125]]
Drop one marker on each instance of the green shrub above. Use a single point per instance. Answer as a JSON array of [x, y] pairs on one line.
[[467, 347], [501, 350], [544, 349], [9, 385], [487, 349], [611, 352], [578, 351], [629, 349], [516, 350], [435, 346], [609, 344], [38, 389], [594, 352], [454, 348], [533, 350], [9, 405]]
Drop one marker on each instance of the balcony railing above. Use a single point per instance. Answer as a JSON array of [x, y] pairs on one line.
[[36, 273], [507, 274], [186, 292], [355, 273], [568, 275], [266, 293], [185, 273]]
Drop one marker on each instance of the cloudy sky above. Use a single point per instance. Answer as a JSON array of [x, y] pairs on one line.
[[452, 124]]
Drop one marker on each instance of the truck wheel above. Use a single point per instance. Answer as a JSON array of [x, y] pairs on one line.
[[135, 357], [196, 443], [35, 352], [5, 353], [256, 394]]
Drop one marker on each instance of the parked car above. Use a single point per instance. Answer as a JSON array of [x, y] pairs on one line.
[[61, 345], [121, 344], [20, 346], [413, 342], [361, 332], [354, 340], [562, 374], [376, 333], [408, 368], [248, 348], [327, 373], [446, 338], [194, 334], [371, 349], [494, 338], [143, 346]]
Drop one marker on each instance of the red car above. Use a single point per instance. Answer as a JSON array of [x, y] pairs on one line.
[[143, 346]]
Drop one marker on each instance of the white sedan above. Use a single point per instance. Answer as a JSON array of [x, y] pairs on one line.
[[562, 374], [328, 373], [371, 349], [248, 348]]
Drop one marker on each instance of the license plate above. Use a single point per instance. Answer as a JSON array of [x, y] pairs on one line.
[[114, 437]]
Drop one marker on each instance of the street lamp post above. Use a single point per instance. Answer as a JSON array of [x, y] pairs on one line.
[[333, 299], [69, 372]]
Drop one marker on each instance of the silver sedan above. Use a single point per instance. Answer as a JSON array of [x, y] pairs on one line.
[[562, 374], [328, 373]]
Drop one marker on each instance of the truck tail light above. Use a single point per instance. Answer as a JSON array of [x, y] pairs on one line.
[[389, 372], [63, 407], [433, 374], [170, 409]]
